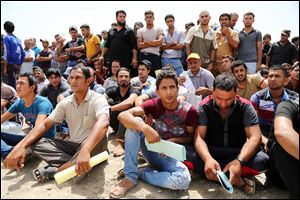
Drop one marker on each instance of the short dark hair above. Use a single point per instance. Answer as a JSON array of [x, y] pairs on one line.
[[225, 15], [169, 16], [166, 73], [294, 39], [53, 71], [280, 67], [237, 63], [120, 11], [85, 26], [249, 13], [122, 69], [9, 27], [225, 82], [267, 35], [31, 80], [296, 64], [149, 12], [85, 70]]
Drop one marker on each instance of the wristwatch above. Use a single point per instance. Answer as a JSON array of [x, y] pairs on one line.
[[243, 163]]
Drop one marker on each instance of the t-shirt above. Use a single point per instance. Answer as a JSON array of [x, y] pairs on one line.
[[114, 94], [110, 82], [254, 82], [13, 50], [40, 105], [90, 45], [75, 55], [150, 35], [171, 124], [28, 66], [135, 82]]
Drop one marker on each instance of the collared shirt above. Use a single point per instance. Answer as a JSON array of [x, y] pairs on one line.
[[265, 105], [80, 118], [203, 78], [178, 37], [224, 47]]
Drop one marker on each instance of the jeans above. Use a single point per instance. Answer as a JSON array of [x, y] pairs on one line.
[[8, 141], [175, 62], [251, 67], [165, 171]]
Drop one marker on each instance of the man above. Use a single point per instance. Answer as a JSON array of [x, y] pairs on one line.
[[33, 107], [121, 98], [74, 49], [143, 82], [247, 84], [60, 57], [92, 44], [284, 147], [34, 48], [40, 78], [201, 39], [14, 54], [294, 78], [282, 51], [112, 80], [149, 40], [121, 44], [45, 56], [172, 45], [27, 65], [227, 41], [266, 101], [228, 136], [8, 96], [87, 115], [234, 17], [56, 86], [266, 47], [175, 121], [226, 64], [201, 78], [250, 47]]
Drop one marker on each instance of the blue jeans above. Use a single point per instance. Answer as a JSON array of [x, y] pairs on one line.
[[165, 171], [175, 62], [8, 141], [251, 67]]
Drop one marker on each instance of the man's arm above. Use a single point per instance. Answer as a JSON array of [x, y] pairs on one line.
[[286, 136], [141, 44], [259, 54], [6, 116], [156, 42], [98, 133], [126, 104]]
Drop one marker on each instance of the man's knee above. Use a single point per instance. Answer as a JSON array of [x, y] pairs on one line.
[[180, 180]]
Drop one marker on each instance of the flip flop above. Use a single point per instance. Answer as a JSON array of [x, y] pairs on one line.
[[246, 185], [44, 174]]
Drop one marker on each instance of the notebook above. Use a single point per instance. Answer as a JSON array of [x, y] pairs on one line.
[[170, 149], [224, 181]]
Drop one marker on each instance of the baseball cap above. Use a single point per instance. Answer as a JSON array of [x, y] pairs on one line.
[[72, 28], [147, 63], [44, 40], [286, 32], [193, 55]]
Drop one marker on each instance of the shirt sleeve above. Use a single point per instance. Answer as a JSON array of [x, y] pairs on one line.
[[258, 36], [15, 107], [202, 117], [250, 116], [192, 116], [255, 101], [286, 109], [44, 107], [58, 114], [149, 106], [189, 35], [101, 105]]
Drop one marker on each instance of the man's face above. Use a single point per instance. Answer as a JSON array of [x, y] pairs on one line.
[[226, 64], [104, 35], [45, 45], [224, 21], [295, 73], [115, 66], [78, 82], [54, 80], [284, 37], [194, 65], [204, 18], [276, 79], [32, 42], [267, 40], [85, 31], [38, 74], [143, 71], [233, 20], [121, 19], [170, 22], [123, 79], [240, 73], [73, 34], [224, 99], [23, 88], [167, 91], [248, 20], [27, 44], [149, 19]]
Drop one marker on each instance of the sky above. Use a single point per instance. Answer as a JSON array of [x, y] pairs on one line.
[[45, 19]]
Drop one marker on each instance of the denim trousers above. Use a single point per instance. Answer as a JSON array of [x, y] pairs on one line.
[[8, 141], [164, 171], [175, 62]]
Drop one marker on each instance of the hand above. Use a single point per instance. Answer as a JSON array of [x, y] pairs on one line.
[[16, 158], [200, 91], [181, 80], [235, 170], [210, 169], [225, 30], [151, 135], [258, 67], [134, 63], [83, 161], [210, 66]]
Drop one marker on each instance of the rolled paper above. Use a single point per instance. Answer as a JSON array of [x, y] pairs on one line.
[[70, 172]]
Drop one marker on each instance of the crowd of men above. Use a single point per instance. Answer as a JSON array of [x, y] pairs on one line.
[[231, 97]]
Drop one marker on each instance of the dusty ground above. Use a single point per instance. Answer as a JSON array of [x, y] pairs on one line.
[[97, 183]]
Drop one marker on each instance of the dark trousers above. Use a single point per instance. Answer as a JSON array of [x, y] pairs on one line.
[[224, 155], [11, 74], [118, 128], [154, 59], [286, 168]]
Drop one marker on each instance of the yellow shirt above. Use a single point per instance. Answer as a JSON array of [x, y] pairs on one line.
[[224, 48], [90, 45]]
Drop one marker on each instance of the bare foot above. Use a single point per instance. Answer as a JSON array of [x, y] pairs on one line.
[[119, 151], [122, 188]]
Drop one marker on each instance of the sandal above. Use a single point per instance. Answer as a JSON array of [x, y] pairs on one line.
[[44, 174], [249, 182]]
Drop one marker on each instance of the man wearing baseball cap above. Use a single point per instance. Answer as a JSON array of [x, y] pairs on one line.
[[45, 56]]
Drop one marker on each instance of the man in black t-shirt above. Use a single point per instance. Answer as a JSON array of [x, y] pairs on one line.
[[121, 98]]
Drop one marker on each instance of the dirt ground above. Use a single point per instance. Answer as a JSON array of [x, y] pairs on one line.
[[96, 185]]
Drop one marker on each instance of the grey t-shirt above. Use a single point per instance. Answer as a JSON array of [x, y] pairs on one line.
[[150, 35]]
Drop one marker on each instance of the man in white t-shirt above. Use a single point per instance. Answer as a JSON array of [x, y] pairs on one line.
[[27, 64]]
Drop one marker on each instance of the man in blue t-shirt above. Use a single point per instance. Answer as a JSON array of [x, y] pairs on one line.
[[34, 108], [14, 54]]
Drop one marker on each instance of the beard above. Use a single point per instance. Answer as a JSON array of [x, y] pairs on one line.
[[124, 84], [121, 23]]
